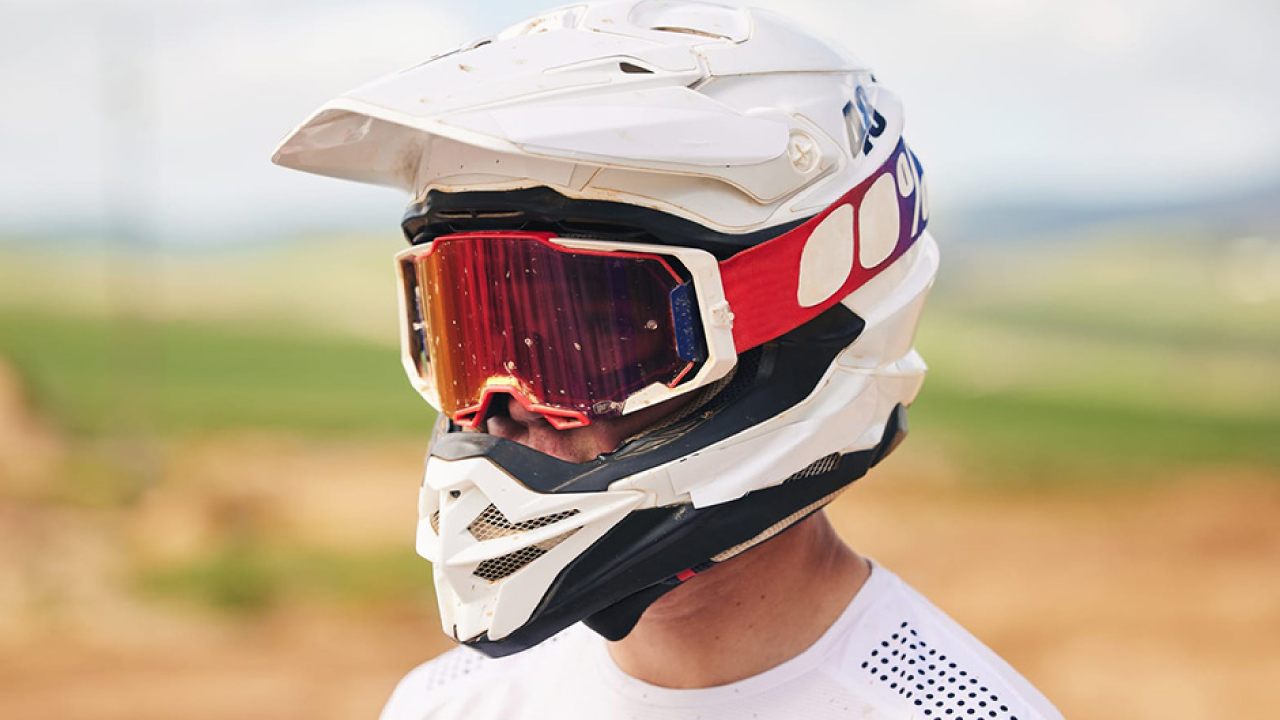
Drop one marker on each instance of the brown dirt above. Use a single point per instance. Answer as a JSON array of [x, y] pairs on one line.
[[29, 447], [1119, 602]]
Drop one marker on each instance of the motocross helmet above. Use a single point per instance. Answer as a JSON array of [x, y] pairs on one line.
[[616, 204]]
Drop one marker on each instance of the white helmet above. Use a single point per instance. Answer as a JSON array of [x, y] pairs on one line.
[[692, 129]]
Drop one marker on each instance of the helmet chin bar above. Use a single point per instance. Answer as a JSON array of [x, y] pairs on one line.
[[609, 578], [492, 540], [618, 620], [676, 539]]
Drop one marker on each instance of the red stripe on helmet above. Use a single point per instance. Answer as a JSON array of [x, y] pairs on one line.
[[762, 283]]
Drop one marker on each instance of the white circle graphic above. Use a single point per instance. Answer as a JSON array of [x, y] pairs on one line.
[[879, 222]]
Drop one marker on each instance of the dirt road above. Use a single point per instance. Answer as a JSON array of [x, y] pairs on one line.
[[1134, 603]]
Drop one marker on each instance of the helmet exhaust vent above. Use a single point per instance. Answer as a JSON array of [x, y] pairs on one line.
[[633, 69], [493, 524], [501, 567], [690, 31], [479, 214], [435, 522], [821, 466]]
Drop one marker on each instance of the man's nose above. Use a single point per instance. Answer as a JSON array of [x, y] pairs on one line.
[[516, 411]]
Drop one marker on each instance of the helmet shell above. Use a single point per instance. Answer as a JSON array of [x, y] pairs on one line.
[[725, 124], [727, 116]]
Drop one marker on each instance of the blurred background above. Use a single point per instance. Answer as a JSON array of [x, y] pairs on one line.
[[209, 456]]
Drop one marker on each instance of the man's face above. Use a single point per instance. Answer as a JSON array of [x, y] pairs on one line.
[[508, 420]]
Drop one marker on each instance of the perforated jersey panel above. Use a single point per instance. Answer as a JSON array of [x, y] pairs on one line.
[[451, 667], [843, 675], [937, 685]]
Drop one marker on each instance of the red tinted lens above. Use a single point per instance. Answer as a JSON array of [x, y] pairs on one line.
[[571, 333]]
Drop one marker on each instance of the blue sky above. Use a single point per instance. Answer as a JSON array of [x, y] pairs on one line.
[[167, 110]]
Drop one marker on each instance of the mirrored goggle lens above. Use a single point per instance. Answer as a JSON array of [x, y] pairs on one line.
[[569, 333]]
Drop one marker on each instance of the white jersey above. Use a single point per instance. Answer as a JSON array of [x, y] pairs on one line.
[[890, 654]]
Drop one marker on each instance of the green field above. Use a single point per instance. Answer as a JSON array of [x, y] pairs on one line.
[[235, 426], [1045, 364], [97, 376]]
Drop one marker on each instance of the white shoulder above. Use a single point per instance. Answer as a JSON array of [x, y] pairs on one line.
[[911, 652], [463, 684], [421, 692]]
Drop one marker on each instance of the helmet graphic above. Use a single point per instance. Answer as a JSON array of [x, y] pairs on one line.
[[615, 204]]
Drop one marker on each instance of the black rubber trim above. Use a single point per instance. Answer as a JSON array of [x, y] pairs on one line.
[[895, 431], [542, 208]]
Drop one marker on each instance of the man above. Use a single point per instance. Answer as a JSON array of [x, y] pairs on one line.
[[666, 261]]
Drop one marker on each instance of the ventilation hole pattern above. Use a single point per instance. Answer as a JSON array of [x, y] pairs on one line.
[[435, 522], [633, 69], [819, 467], [493, 524], [500, 567], [452, 667], [930, 681]]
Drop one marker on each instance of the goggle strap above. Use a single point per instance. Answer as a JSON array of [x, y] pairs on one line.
[[762, 284]]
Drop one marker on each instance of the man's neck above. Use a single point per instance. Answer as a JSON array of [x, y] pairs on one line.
[[748, 614]]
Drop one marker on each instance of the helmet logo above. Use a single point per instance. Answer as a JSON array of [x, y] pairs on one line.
[[863, 122]]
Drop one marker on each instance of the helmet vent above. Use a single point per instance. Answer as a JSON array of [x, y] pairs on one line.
[[501, 567], [633, 69], [493, 524], [435, 522], [690, 31], [479, 214], [821, 466]]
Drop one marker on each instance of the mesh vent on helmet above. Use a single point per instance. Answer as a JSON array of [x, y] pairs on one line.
[[824, 464], [493, 524], [500, 567]]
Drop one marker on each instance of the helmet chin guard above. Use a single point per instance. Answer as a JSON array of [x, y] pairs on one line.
[[768, 167], [601, 540]]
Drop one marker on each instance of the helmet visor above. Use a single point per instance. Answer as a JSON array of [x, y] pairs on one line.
[[568, 333]]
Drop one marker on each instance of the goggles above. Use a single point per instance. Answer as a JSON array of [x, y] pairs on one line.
[[577, 329]]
